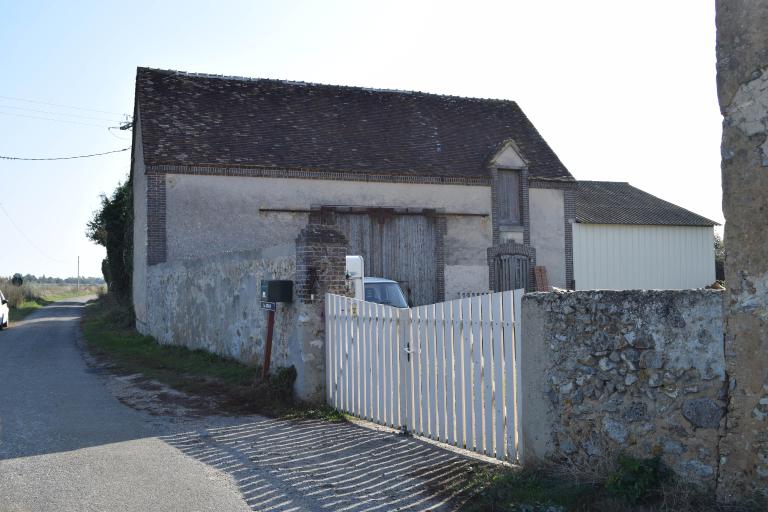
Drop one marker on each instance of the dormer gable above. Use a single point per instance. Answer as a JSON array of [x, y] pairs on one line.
[[508, 157]]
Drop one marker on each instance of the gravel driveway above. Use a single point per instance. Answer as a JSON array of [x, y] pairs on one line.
[[68, 444]]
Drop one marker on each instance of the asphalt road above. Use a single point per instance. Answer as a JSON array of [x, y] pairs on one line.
[[68, 444]]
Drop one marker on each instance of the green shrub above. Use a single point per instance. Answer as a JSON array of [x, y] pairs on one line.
[[637, 480], [111, 226]]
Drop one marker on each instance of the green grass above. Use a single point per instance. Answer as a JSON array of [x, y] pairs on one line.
[[557, 488], [26, 308], [507, 489], [42, 296], [239, 388], [54, 294], [315, 412], [175, 366]]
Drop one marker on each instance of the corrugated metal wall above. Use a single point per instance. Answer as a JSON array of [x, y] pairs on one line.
[[620, 256]]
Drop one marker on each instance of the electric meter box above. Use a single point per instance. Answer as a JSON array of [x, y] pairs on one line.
[[275, 290]]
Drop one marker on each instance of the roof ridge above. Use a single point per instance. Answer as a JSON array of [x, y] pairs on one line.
[[191, 74]]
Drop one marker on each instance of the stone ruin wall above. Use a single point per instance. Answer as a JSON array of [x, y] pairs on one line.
[[742, 87], [635, 371]]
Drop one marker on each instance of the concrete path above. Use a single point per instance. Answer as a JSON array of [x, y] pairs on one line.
[[67, 444]]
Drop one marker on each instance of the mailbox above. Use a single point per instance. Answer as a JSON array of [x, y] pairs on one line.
[[276, 290]]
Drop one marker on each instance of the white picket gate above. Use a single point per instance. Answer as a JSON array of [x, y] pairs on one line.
[[448, 371]]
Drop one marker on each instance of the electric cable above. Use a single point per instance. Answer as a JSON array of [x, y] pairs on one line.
[[64, 114], [59, 105], [63, 157], [52, 119], [29, 240]]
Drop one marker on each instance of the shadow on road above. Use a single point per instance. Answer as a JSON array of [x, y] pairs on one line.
[[52, 402], [314, 465]]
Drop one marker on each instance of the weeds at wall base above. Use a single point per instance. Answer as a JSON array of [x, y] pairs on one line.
[[234, 387], [632, 485]]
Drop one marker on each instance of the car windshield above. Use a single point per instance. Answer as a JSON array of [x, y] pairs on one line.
[[385, 293]]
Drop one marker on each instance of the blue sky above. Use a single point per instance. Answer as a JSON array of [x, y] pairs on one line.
[[622, 91]]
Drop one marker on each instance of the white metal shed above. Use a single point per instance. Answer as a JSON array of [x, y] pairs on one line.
[[624, 238]]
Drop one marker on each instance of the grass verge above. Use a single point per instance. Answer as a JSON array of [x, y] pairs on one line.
[[27, 307], [236, 387], [507, 489], [27, 299]]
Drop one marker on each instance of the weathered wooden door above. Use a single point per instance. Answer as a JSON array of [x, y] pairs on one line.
[[397, 246], [511, 272]]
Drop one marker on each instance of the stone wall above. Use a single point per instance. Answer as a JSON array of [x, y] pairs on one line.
[[213, 303], [640, 371], [742, 83]]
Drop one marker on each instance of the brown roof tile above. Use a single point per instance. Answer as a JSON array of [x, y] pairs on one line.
[[198, 120]]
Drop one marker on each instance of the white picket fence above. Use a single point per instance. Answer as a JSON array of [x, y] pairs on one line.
[[446, 371]]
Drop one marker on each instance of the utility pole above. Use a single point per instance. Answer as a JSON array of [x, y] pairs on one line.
[[78, 275]]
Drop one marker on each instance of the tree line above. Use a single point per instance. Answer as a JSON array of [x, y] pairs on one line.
[[43, 279]]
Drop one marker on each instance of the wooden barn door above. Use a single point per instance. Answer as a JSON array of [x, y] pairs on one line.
[[397, 246]]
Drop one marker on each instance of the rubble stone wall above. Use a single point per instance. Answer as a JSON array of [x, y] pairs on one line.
[[636, 371], [214, 304], [742, 86]]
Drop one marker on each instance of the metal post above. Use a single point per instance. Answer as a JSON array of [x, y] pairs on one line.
[[78, 274], [406, 348], [268, 345]]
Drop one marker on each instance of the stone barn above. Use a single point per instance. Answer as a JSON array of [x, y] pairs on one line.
[[445, 195]]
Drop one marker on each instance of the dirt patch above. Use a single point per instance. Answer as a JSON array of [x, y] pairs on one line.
[[154, 397]]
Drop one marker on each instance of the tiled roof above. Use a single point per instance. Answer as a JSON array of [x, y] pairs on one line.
[[614, 202], [204, 120]]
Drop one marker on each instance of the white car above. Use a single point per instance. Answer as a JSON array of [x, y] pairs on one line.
[[4, 312], [384, 291]]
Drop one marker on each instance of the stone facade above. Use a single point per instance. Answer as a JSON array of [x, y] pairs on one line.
[[742, 82], [194, 215], [640, 371], [212, 303]]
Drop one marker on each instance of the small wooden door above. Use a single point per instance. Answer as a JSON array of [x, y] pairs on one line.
[[512, 272]]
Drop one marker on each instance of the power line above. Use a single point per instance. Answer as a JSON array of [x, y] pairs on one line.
[[65, 114], [60, 105], [29, 240], [52, 119], [109, 130], [64, 157]]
